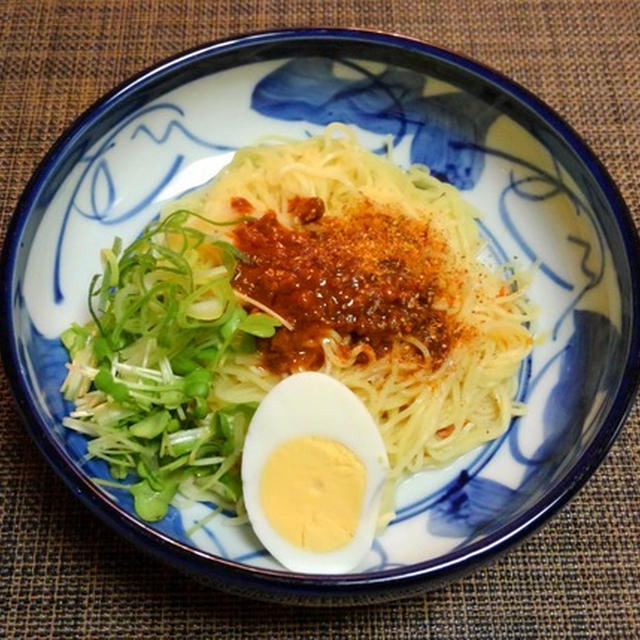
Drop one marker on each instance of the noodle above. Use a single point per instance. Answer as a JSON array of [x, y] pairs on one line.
[[428, 413]]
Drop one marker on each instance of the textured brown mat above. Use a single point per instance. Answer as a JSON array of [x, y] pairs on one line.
[[65, 575]]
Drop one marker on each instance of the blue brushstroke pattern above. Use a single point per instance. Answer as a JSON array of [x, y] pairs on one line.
[[473, 504], [102, 189], [584, 371], [93, 163], [178, 126], [583, 206], [246, 558], [97, 176], [383, 563], [102, 215], [212, 537], [516, 186], [48, 358], [442, 123], [444, 126]]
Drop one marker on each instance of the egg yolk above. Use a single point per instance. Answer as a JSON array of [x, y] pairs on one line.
[[312, 489]]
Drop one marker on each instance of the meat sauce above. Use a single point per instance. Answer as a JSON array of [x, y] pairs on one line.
[[372, 275], [241, 205]]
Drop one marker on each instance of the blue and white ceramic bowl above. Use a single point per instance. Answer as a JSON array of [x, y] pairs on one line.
[[544, 198]]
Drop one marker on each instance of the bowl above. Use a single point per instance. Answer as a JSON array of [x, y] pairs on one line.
[[545, 201]]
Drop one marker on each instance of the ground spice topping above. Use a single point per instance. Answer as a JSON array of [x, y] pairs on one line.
[[372, 275]]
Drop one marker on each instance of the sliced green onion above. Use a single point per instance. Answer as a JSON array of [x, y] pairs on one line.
[[142, 371], [151, 426]]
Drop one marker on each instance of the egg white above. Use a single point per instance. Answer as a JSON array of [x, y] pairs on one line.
[[314, 404]]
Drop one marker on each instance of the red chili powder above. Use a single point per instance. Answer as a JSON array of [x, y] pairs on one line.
[[370, 274]]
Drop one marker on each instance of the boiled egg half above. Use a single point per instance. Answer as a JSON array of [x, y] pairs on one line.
[[314, 468]]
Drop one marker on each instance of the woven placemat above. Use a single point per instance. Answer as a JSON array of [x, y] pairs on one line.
[[63, 574]]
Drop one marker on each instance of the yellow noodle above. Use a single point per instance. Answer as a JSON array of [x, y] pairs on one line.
[[426, 417]]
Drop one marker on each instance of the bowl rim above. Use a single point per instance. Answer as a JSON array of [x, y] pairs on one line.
[[209, 565]]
